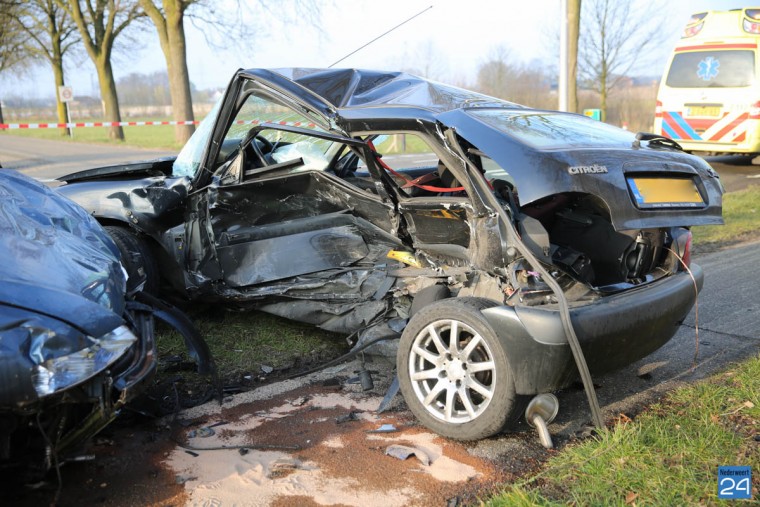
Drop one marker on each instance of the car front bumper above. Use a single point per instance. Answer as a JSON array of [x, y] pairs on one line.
[[613, 332]]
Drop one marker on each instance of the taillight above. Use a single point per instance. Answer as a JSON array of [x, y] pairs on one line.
[[658, 110], [686, 257], [681, 247], [754, 111], [694, 26]]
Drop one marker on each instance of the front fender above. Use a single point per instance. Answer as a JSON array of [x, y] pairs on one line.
[[151, 205]]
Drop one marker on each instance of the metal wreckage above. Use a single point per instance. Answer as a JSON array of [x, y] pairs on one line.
[[527, 248]]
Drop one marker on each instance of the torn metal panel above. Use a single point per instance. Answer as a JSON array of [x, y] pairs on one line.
[[150, 205], [437, 221], [335, 317], [483, 285], [281, 257]]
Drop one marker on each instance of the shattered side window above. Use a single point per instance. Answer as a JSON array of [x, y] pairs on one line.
[[258, 109]]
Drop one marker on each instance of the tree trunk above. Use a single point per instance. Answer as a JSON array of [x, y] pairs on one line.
[[61, 107], [108, 96], [179, 78], [573, 32], [603, 93], [171, 35]]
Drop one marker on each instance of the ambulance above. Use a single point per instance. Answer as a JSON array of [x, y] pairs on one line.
[[709, 96]]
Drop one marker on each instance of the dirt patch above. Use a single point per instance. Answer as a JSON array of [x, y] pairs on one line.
[[329, 454], [125, 469], [284, 446]]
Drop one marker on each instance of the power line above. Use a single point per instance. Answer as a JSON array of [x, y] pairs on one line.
[[379, 37]]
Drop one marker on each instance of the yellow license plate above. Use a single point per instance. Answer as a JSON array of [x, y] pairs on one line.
[[652, 192], [711, 111]]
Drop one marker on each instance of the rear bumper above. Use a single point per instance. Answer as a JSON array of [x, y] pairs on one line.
[[614, 332]]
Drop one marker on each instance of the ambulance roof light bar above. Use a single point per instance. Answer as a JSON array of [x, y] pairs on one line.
[[694, 26], [751, 21]]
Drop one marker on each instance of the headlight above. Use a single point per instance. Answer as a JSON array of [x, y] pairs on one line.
[[64, 371]]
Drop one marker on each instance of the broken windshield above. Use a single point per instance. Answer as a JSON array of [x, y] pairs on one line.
[[189, 159]]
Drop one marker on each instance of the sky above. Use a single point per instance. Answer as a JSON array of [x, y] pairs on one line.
[[459, 34]]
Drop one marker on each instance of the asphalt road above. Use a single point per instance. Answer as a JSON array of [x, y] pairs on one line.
[[736, 171], [46, 159], [729, 306], [728, 319]]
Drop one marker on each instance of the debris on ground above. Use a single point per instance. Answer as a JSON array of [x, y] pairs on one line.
[[204, 432], [351, 416], [335, 463], [385, 428], [403, 452]]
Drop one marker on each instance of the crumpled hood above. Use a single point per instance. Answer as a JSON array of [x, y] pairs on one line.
[[47, 241], [131, 170]]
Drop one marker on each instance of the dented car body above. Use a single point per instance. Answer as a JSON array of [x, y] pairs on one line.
[[73, 350], [290, 198]]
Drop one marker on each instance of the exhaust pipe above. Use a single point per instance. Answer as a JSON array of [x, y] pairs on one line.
[[540, 412]]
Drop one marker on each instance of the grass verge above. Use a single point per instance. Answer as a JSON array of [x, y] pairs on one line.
[[741, 213], [243, 342], [154, 137], [669, 455]]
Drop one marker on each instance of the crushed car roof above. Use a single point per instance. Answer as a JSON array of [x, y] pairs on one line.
[[353, 88]]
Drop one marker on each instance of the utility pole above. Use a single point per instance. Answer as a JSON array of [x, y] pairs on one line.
[[562, 87], [573, 36]]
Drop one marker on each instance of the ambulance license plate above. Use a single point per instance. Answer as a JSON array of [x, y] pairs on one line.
[[710, 111]]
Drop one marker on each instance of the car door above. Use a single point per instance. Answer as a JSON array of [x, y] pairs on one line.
[[284, 212]]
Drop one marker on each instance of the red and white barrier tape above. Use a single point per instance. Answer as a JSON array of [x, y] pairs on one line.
[[6, 126], [91, 124]]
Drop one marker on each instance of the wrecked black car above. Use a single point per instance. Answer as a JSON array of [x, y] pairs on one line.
[[73, 350], [511, 249]]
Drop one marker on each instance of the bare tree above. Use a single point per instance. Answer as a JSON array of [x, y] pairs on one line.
[[615, 37], [168, 16], [99, 23], [526, 84], [573, 34], [12, 52], [426, 61], [49, 33], [12, 40]]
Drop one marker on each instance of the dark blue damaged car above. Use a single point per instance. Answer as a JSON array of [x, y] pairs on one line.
[[74, 349], [510, 249]]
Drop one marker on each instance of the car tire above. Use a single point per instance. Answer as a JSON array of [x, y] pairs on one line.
[[136, 258], [440, 388]]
